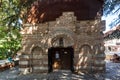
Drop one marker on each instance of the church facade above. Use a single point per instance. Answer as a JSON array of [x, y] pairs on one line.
[[66, 43]]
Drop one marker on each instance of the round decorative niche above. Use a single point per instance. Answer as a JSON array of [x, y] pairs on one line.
[[85, 49], [61, 38], [85, 56], [62, 41]]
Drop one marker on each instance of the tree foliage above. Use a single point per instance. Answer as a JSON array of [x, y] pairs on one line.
[[12, 11], [12, 15], [9, 28], [9, 42]]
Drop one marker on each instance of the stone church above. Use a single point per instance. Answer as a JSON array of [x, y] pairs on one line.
[[63, 35]]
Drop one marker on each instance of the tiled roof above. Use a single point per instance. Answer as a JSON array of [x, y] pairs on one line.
[[114, 33], [49, 10]]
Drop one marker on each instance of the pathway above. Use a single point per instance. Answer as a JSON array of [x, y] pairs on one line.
[[112, 73]]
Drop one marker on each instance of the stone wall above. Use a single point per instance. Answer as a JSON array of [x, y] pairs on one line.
[[85, 37]]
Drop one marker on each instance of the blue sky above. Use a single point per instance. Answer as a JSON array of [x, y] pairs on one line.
[[109, 18]]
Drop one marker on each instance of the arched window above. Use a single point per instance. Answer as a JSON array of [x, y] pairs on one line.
[[61, 42]]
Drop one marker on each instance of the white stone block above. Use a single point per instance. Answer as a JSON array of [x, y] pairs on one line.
[[23, 62]]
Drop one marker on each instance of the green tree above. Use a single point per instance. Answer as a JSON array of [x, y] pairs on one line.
[[9, 28], [12, 11], [10, 42], [12, 15]]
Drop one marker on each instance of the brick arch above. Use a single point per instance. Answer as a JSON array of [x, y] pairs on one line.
[[98, 49], [98, 57], [98, 52], [84, 58], [85, 45], [36, 59], [36, 48], [60, 32], [67, 40]]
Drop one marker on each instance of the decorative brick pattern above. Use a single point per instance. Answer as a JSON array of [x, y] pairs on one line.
[[85, 37]]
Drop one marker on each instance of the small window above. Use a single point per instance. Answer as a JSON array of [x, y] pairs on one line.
[[109, 48], [61, 43]]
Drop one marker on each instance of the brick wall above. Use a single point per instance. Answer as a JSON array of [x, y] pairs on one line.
[[84, 36]]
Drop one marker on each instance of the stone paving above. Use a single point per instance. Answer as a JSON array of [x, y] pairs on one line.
[[112, 73]]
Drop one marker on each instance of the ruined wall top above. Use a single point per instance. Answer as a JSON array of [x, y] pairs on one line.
[[67, 20]]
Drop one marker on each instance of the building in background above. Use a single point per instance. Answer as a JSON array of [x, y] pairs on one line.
[[112, 42]]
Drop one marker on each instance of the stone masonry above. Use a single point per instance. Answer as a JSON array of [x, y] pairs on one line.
[[85, 37]]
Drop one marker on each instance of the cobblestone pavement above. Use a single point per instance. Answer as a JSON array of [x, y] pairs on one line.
[[112, 73]]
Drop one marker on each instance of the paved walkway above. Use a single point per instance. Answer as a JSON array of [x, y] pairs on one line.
[[112, 73]]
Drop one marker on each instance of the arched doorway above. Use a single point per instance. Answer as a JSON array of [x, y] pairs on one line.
[[60, 58], [61, 52]]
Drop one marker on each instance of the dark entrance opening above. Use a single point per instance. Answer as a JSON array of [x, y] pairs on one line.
[[60, 58]]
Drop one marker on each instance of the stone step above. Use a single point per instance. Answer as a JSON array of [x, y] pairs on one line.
[[60, 75]]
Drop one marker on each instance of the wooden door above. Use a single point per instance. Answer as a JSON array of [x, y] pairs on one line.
[[66, 60], [60, 59]]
